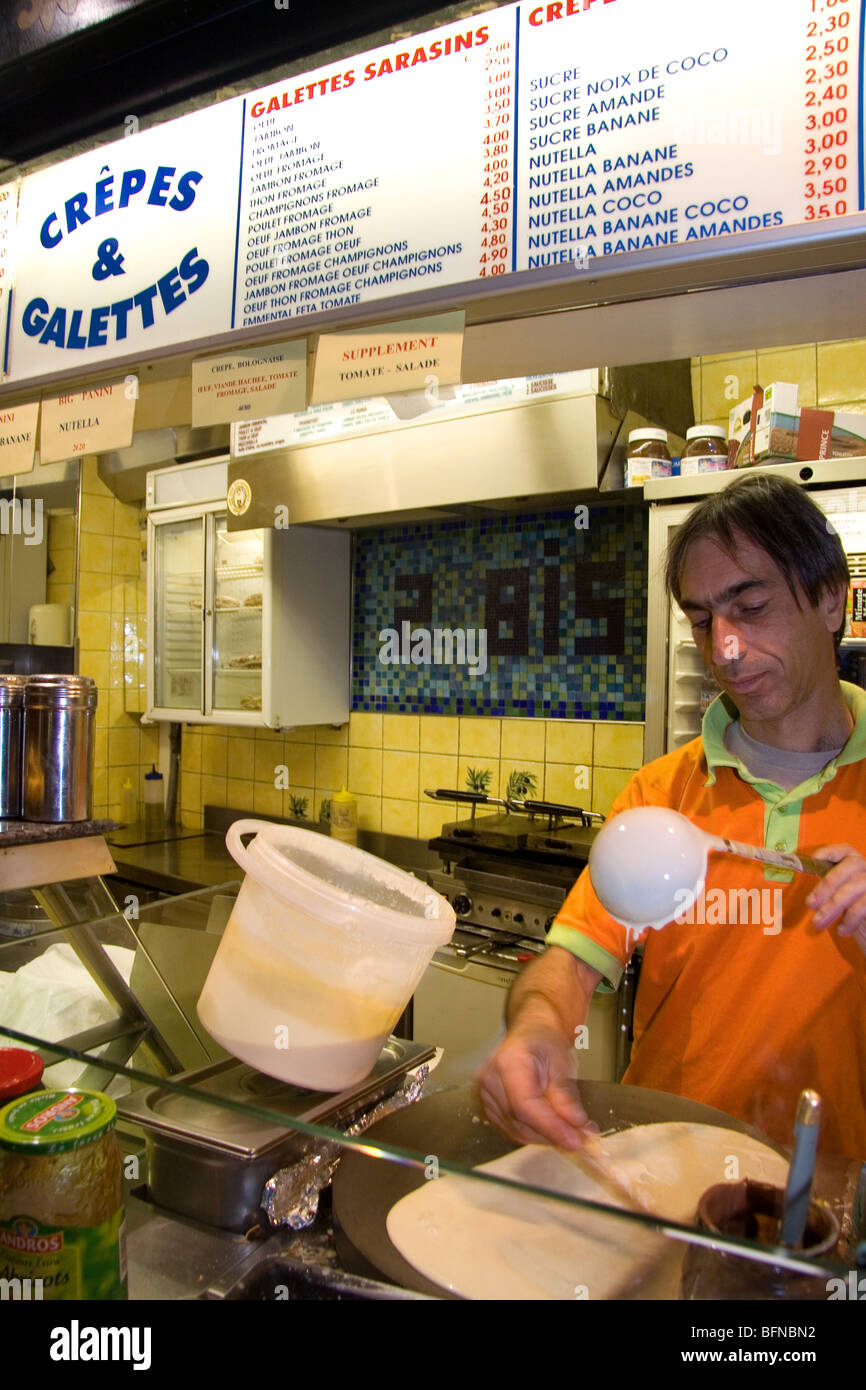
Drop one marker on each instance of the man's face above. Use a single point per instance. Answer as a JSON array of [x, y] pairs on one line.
[[767, 653]]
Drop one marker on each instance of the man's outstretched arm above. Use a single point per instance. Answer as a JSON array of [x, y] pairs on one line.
[[528, 1087]]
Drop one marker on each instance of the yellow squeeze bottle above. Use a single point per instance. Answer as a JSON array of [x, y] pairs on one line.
[[344, 817]]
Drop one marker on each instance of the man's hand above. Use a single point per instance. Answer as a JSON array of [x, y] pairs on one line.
[[529, 1090], [841, 894]]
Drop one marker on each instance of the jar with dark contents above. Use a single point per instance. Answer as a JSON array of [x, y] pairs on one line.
[[753, 1211], [61, 1196], [706, 450], [647, 457]]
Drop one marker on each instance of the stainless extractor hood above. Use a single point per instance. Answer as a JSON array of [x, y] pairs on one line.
[[125, 470], [448, 465]]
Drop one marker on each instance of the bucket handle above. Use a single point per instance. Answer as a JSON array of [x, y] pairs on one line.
[[239, 851]]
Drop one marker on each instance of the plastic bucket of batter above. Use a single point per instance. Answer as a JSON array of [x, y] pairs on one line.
[[322, 953]]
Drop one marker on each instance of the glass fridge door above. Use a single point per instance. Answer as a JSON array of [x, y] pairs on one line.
[[178, 606], [238, 602]]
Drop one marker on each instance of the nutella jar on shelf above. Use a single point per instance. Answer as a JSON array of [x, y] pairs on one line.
[[647, 457], [706, 450]]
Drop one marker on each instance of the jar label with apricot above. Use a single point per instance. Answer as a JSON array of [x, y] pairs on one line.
[[71, 1262]]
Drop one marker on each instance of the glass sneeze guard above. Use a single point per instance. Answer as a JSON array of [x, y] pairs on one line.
[[165, 954]]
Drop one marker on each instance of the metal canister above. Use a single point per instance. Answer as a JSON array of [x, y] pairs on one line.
[[11, 744], [59, 729]]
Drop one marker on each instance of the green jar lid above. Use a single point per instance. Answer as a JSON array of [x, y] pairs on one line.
[[51, 1122]]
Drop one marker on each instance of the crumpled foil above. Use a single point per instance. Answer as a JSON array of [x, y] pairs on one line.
[[291, 1196]]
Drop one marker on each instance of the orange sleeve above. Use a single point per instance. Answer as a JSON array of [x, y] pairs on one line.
[[582, 925]]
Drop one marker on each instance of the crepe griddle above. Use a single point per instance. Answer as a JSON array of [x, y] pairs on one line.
[[451, 1125]]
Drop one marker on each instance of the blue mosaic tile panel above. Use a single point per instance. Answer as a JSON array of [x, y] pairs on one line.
[[543, 614]]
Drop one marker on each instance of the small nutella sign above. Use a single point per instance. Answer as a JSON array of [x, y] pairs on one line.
[[88, 422], [405, 356]]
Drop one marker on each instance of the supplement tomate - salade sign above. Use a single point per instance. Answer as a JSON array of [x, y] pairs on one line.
[[527, 136]]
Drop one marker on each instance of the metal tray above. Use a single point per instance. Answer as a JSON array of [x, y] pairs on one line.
[[212, 1164]]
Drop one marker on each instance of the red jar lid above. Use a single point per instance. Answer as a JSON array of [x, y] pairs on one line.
[[20, 1072]]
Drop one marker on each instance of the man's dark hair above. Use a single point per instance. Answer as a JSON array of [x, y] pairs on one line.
[[779, 517]]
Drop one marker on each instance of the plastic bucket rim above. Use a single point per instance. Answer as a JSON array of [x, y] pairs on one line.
[[388, 922]]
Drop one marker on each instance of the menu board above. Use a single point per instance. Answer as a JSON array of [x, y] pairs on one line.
[[523, 137], [8, 199], [363, 180], [695, 122]]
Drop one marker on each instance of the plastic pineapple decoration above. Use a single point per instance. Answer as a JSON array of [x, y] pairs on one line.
[[298, 806]]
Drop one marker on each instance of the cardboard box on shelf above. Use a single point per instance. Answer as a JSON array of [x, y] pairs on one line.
[[787, 431], [741, 430]]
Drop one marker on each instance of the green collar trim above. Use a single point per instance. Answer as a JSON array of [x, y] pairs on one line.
[[723, 712]]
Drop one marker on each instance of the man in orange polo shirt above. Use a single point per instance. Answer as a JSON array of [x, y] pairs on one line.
[[753, 995]]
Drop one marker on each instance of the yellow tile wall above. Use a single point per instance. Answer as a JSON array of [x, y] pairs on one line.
[[61, 557], [111, 635], [831, 375], [387, 762]]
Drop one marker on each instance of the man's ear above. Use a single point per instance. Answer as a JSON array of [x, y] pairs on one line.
[[832, 607]]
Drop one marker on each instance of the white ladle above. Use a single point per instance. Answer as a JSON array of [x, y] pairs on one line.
[[649, 865]]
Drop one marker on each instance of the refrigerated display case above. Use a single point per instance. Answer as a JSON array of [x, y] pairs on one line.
[[247, 627]]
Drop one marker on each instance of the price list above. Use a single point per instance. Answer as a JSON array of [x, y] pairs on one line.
[[498, 135], [831, 135], [641, 126], [390, 174]]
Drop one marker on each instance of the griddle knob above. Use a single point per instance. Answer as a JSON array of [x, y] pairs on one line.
[[462, 904]]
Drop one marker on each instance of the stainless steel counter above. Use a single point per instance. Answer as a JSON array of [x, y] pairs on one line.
[[171, 1258], [180, 861], [198, 860]]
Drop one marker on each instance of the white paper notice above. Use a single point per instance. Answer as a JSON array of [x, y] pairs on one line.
[[88, 422], [403, 356], [243, 385], [18, 438], [313, 426]]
